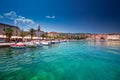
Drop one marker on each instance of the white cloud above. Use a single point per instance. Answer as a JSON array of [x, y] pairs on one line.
[[23, 20], [19, 20], [1, 16], [50, 17], [11, 15]]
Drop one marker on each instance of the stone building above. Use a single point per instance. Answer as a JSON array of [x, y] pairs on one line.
[[38, 32], [16, 30], [114, 36], [53, 34], [99, 37]]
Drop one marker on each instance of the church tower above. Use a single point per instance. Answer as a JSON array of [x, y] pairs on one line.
[[39, 28]]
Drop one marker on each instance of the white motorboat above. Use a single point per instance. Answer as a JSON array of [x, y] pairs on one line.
[[31, 44], [45, 42], [38, 44], [54, 41]]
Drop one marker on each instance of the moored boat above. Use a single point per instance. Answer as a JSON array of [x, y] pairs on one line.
[[38, 44], [45, 42], [31, 44], [54, 41], [18, 45]]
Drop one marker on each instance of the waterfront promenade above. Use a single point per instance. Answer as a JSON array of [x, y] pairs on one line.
[[6, 44]]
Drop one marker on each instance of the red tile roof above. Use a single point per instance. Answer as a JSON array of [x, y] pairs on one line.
[[52, 33]]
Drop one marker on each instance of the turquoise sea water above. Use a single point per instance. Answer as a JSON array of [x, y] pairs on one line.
[[78, 60]]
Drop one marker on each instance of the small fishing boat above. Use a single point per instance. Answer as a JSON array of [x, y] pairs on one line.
[[45, 42], [38, 44], [31, 44], [18, 45], [54, 41]]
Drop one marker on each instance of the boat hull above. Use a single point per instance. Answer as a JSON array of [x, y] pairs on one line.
[[18, 47]]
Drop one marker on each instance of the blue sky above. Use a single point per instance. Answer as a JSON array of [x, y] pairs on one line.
[[90, 16]]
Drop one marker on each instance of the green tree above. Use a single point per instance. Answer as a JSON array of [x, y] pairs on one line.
[[49, 37], [8, 33], [46, 35], [32, 32], [23, 34], [43, 36]]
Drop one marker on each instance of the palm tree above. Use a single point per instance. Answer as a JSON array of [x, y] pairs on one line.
[[23, 34], [43, 36], [8, 33], [32, 32], [46, 35], [49, 37]]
